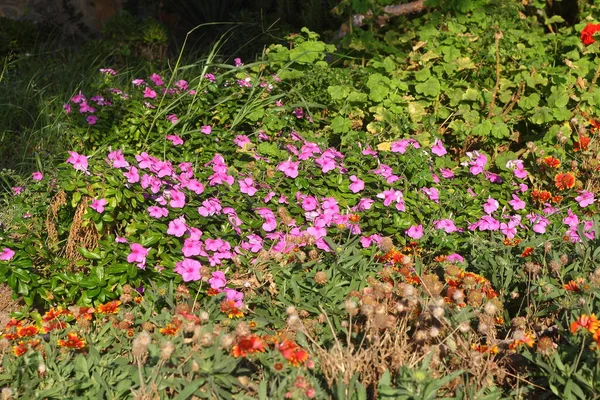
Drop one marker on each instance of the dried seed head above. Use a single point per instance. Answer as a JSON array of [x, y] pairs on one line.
[[519, 323], [458, 296], [554, 266], [367, 310], [148, 326], [420, 336], [546, 346], [7, 393], [4, 345], [125, 298], [434, 331], [321, 278], [166, 350], [407, 290], [242, 329], [140, 346], [351, 307], [183, 291], [206, 340], [294, 322], [182, 308], [464, 327], [564, 259], [291, 310], [127, 289], [437, 312], [226, 341], [490, 308], [41, 369], [124, 324], [386, 244], [204, 316], [547, 246], [313, 254], [432, 285], [475, 298], [303, 314]]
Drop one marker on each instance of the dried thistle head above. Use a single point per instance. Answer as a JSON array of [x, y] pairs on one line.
[[386, 244]]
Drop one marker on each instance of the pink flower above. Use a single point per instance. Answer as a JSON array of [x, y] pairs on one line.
[[242, 140], [119, 239], [415, 232], [177, 199], [270, 222], [210, 77], [571, 219], [98, 205], [189, 269], [177, 227], [172, 118], [455, 257], [206, 129], [108, 71], [289, 168], [516, 203], [210, 207], [181, 84], [137, 82], [365, 204], [446, 224], [432, 193], [247, 186], [254, 243], [218, 280], [176, 140], [438, 148], [37, 176], [138, 255], [132, 175], [309, 203], [232, 294], [149, 93], [157, 212], [67, 108], [156, 79], [508, 229], [447, 173], [80, 162], [238, 62], [192, 247], [357, 185], [490, 206], [585, 198], [6, 254], [117, 160], [91, 119]]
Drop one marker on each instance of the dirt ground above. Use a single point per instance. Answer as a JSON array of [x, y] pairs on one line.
[[7, 305]]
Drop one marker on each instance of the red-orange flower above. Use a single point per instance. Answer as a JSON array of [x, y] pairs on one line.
[[595, 125], [564, 181], [541, 195], [482, 348], [20, 349], [587, 34], [112, 307], [552, 162], [292, 352], [527, 252], [85, 313], [582, 144], [354, 218], [54, 313], [228, 307], [527, 340], [248, 345], [573, 286], [588, 322], [23, 331], [170, 329], [73, 341]]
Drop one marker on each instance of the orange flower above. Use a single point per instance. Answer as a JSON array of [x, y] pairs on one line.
[[111, 307], [527, 340], [170, 329], [73, 341], [595, 125], [481, 348], [85, 313], [52, 325], [54, 313], [589, 322], [354, 218], [527, 252], [573, 286], [582, 144], [23, 331], [556, 199], [552, 162], [212, 292], [564, 181], [292, 352], [541, 195], [248, 345], [228, 307], [20, 349]]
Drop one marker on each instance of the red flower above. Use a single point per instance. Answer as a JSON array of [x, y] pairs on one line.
[[587, 34], [20, 349], [228, 307], [247, 345], [111, 307], [582, 144], [292, 352], [23, 331], [552, 162], [73, 341], [564, 181], [527, 252]]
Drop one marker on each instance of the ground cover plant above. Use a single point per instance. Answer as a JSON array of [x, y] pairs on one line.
[[419, 225]]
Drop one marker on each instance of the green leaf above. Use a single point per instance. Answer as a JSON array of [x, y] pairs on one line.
[[500, 130], [89, 254], [483, 129], [339, 92], [431, 87], [340, 124], [529, 102]]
